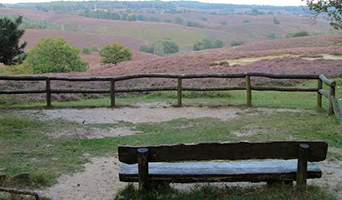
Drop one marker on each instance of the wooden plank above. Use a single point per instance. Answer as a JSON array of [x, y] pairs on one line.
[[225, 151], [337, 110], [23, 92], [213, 88], [324, 93], [287, 89], [327, 81], [219, 171], [81, 91], [155, 89]]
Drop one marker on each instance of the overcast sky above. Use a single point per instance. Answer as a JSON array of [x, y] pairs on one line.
[[259, 2]]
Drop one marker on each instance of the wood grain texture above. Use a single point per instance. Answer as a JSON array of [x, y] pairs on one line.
[[187, 172], [225, 151]]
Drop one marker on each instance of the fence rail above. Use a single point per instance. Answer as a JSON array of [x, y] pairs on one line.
[[333, 103]]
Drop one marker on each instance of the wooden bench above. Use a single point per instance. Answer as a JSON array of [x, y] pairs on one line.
[[287, 161]]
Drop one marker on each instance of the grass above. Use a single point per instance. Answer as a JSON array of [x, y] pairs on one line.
[[226, 193], [25, 149]]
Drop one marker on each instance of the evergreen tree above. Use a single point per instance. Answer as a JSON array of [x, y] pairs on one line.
[[11, 52]]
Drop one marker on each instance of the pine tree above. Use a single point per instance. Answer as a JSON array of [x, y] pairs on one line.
[[11, 52]]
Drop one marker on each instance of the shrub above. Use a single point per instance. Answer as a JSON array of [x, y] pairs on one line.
[[271, 36], [55, 56], [94, 48], [194, 24], [207, 44], [86, 50], [246, 21], [204, 19], [298, 34], [179, 20], [224, 23], [237, 43], [115, 53], [276, 21], [161, 47]]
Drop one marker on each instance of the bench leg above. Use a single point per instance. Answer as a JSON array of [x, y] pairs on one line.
[[302, 166], [143, 169]]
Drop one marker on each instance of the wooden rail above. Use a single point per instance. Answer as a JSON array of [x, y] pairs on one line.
[[333, 103]]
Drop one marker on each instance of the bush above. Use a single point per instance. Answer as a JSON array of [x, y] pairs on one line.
[[271, 36], [224, 23], [237, 43], [55, 56], [298, 34], [204, 19], [246, 21], [115, 53], [276, 21], [194, 24], [161, 47], [94, 48], [179, 20], [207, 44], [86, 50], [21, 69]]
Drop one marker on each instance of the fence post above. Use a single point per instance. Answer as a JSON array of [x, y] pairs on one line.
[[319, 95], [179, 92], [302, 166], [142, 159], [331, 95], [112, 93], [48, 92], [249, 90]]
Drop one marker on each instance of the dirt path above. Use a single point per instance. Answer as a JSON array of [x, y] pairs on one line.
[[146, 113], [99, 180]]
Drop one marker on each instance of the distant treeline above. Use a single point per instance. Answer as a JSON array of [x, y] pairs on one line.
[[169, 7]]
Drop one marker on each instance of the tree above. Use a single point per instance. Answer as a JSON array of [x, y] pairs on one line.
[[115, 53], [276, 21], [55, 56], [170, 47], [179, 20], [158, 48], [11, 52], [333, 9]]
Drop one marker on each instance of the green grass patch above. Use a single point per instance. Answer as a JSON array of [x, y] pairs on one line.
[[227, 193]]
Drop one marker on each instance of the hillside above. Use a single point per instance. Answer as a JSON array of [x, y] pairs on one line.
[[244, 27]]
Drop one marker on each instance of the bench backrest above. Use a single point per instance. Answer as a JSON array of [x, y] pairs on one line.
[[225, 151]]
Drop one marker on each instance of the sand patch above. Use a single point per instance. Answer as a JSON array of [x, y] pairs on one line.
[[99, 180], [147, 113], [91, 133]]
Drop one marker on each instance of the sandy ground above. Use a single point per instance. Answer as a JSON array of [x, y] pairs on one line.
[[146, 113], [100, 180]]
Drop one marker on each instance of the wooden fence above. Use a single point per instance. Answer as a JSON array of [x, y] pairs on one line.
[[333, 103]]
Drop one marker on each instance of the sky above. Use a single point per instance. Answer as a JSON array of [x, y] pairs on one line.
[[259, 2]]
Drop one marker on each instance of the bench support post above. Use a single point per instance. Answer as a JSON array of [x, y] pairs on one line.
[[143, 168], [112, 93], [302, 166]]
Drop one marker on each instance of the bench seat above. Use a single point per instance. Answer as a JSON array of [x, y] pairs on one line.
[[189, 172]]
